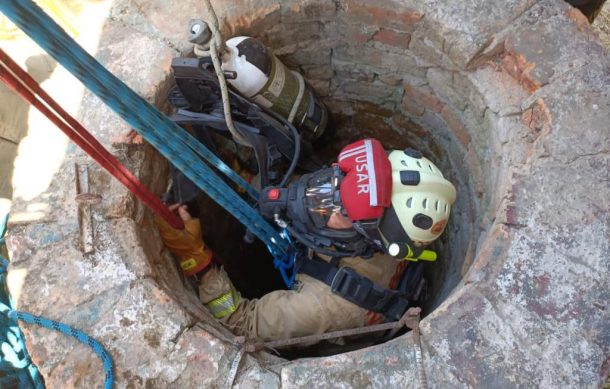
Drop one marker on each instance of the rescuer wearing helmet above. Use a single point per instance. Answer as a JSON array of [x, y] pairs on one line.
[[382, 206]]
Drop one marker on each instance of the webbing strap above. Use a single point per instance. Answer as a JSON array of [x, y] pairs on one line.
[[22, 83], [356, 288], [175, 144]]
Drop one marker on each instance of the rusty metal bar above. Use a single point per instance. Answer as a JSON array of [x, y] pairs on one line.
[[85, 200], [276, 344]]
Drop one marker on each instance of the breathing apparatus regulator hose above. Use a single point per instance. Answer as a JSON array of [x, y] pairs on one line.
[[316, 248]]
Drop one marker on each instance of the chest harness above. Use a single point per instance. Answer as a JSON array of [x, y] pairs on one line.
[[362, 188]]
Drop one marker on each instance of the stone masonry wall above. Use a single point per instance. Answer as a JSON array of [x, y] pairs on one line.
[[510, 98]]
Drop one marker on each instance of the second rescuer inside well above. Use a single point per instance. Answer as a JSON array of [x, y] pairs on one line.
[[395, 203]]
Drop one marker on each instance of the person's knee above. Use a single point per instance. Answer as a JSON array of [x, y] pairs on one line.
[[217, 293]]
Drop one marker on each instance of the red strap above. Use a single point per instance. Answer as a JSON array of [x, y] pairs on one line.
[[28, 88]]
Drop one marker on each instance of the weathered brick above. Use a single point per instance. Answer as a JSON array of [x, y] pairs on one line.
[[441, 83], [358, 12], [519, 68], [412, 106], [322, 87], [455, 125], [307, 10], [374, 92], [393, 38], [359, 37], [376, 109], [537, 118], [391, 79], [314, 55], [343, 76], [375, 126], [425, 96], [402, 122], [292, 33], [318, 71]]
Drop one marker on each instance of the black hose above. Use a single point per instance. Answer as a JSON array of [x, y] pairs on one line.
[[312, 245], [296, 155]]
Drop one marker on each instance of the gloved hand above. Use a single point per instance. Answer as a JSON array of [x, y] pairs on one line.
[[187, 244]]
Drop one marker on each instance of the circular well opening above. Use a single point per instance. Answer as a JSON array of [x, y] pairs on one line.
[[368, 70]]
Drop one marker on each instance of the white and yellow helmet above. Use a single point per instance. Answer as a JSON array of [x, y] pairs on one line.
[[421, 201]]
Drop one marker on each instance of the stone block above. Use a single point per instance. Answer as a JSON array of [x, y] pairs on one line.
[[322, 87], [319, 72], [461, 30], [428, 53], [456, 126], [380, 60], [308, 54], [346, 70], [243, 17], [392, 38], [135, 68], [577, 105], [391, 79], [375, 92], [441, 82], [308, 10], [411, 106], [152, 19], [543, 43], [503, 95], [378, 367], [381, 14], [286, 34], [424, 96]]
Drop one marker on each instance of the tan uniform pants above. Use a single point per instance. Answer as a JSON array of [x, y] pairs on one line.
[[310, 309]]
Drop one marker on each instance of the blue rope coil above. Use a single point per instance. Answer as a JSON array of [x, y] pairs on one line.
[[16, 367], [79, 335]]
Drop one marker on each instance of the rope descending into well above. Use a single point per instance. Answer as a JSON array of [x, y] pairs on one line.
[[24, 85], [173, 142], [215, 49]]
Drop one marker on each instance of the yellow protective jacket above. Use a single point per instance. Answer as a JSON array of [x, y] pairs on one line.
[[193, 254]]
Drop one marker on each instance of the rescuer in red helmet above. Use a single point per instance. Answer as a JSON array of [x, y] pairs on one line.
[[382, 206]]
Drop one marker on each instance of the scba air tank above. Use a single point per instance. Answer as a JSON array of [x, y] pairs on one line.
[[263, 78]]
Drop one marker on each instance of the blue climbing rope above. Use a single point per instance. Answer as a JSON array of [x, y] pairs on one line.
[[16, 367], [175, 144], [71, 331]]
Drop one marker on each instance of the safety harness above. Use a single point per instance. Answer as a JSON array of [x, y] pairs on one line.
[[362, 291], [358, 187]]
